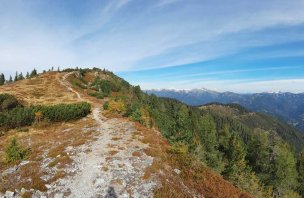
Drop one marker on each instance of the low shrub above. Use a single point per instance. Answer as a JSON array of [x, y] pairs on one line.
[[117, 106], [106, 105], [8, 102], [97, 95], [23, 116], [78, 84], [15, 152]]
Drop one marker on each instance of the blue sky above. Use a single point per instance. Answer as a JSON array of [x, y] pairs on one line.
[[231, 45]]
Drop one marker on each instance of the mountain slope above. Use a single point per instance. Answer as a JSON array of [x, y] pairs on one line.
[[253, 120], [103, 154], [286, 106]]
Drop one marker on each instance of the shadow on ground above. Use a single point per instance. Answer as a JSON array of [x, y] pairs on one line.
[[111, 193]]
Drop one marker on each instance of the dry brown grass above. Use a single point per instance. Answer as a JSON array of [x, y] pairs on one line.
[[105, 168], [117, 182], [113, 152], [116, 138], [58, 175], [136, 154], [44, 89], [26, 195], [27, 176]]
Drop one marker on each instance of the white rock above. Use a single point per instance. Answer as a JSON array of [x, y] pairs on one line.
[[48, 186], [177, 171], [24, 163], [58, 195], [22, 191], [99, 182], [9, 194]]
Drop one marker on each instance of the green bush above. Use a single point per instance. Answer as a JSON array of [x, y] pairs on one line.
[[106, 105], [106, 86], [78, 84], [23, 116], [14, 152], [8, 102], [97, 95]]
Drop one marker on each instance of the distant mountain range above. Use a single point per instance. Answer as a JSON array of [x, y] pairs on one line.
[[286, 106]]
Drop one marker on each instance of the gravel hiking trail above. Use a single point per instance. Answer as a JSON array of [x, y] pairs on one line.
[[112, 165]]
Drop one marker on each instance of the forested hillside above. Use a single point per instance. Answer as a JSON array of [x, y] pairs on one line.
[[286, 106], [257, 153]]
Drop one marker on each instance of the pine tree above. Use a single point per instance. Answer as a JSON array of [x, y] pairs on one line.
[[16, 77], [27, 75], [208, 136], [182, 124], [284, 170], [33, 73], [20, 77], [259, 152], [10, 79], [2, 79], [300, 167], [237, 171]]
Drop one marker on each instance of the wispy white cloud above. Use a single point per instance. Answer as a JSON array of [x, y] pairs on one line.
[[163, 3], [130, 35]]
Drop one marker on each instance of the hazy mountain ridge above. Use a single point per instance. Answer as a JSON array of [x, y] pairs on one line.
[[284, 105]]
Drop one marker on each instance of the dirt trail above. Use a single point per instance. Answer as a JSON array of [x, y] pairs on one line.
[[66, 84], [110, 166]]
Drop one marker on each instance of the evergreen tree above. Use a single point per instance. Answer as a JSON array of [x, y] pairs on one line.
[[300, 167], [27, 75], [137, 92], [2, 79], [237, 170], [20, 77], [284, 170], [58, 69], [259, 152], [208, 137], [33, 73], [182, 124], [10, 79], [16, 77]]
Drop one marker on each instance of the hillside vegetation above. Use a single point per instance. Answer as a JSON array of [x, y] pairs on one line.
[[47, 157], [257, 155], [255, 152], [286, 106]]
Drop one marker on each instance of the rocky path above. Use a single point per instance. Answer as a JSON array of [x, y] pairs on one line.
[[110, 166]]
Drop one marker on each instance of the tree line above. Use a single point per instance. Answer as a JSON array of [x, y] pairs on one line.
[[18, 76]]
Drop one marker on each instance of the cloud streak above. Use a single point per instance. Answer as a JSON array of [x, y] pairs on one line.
[[133, 35]]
